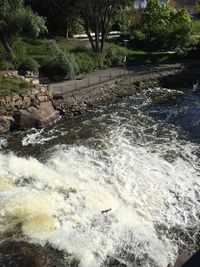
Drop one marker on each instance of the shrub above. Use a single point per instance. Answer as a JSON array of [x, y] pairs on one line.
[[99, 61], [26, 63], [6, 65], [85, 62], [114, 55], [59, 63]]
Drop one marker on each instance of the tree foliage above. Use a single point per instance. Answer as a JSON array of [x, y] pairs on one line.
[[16, 19], [166, 27], [93, 15], [59, 14]]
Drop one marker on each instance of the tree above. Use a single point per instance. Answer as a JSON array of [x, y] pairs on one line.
[[94, 15], [165, 27], [60, 14], [97, 16], [16, 19], [197, 8], [68, 11]]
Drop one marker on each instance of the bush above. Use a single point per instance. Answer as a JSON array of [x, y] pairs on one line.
[[114, 55], [59, 63], [6, 65], [85, 62], [26, 63], [99, 61]]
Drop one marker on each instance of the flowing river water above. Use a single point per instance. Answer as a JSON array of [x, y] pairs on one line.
[[119, 186]]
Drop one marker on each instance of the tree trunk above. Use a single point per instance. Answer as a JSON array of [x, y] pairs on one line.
[[103, 37], [67, 30], [97, 43], [91, 40], [7, 46]]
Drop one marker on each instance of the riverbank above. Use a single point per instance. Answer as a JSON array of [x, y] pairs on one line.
[[41, 107], [74, 101]]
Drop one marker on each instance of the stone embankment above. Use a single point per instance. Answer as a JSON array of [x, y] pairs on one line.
[[78, 101], [41, 107], [32, 108]]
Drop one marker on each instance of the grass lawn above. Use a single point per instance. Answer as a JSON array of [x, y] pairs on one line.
[[13, 85], [37, 50]]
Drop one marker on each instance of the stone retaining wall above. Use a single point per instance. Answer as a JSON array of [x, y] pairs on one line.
[[33, 108], [14, 102]]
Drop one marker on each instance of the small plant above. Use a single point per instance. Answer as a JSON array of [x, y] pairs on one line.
[[137, 84]]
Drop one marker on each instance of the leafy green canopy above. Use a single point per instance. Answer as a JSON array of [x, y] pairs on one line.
[[166, 27], [16, 19]]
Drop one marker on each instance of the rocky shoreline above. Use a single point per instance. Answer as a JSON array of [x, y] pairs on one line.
[[41, 107], [78, 102], [27, 109]]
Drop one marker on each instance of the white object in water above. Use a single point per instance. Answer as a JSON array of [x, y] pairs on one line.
[[196, 86]]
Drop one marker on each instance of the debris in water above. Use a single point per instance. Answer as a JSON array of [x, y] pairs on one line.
[[105, 211]]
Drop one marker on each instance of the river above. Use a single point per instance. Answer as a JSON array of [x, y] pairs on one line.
[[118, 186]]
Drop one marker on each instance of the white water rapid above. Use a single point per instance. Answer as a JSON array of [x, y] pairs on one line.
[[121, 196]]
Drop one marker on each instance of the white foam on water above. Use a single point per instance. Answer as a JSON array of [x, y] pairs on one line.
[[95, 203], [36, 137], [63, 201]]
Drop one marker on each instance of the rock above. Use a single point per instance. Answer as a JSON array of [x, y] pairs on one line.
[[8, 99], [22, 254], [35, 91], [42, 98], [2, 101], [180, 261], [35, 82], [47, 114], [26, 101], [5, 123], [19, 103], [43, 89], [41, 116], [165, 96], [28, 80], [15, 97]]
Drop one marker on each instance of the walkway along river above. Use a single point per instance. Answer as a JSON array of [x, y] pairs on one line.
[[116, 187]]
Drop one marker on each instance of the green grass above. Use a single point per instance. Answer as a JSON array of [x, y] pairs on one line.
[[13, 85], [71, 45], [150, 57], [37, 50]]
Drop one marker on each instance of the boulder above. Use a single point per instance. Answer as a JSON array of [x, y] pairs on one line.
[[180, 261], [5, 123], [163, 96], [47, 114], [22, 254], [35, 117]]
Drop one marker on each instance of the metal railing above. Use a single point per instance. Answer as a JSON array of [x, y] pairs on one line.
[[76, 85]]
